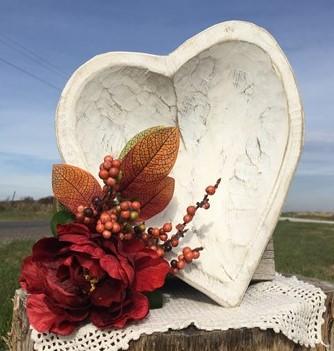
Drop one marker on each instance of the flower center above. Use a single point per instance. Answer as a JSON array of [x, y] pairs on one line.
[[92, 281]]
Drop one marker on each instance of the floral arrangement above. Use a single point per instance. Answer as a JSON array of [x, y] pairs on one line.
[[103, 265]]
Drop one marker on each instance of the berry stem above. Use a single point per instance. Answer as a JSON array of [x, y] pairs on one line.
[[187, 218]]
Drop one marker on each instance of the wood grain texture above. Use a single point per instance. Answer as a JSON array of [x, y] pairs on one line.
[[266, 268], [194, 339]]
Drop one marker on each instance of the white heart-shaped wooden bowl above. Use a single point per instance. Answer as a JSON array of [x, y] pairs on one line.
[[231, 91]]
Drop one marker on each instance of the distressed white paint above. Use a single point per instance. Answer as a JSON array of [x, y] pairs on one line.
[[231, 91]]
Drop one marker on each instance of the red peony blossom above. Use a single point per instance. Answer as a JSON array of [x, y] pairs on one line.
[[80, 276]]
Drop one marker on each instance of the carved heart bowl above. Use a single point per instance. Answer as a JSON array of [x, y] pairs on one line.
[[231, 92]]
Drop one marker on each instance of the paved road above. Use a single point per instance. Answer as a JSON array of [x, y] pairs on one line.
[[10, 230], [305, 220]]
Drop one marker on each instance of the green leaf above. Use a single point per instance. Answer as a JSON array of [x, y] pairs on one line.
[[60, 217], [132, 142], [155, 299]]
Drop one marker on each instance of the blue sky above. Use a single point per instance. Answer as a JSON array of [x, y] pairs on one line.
[[67, 33]]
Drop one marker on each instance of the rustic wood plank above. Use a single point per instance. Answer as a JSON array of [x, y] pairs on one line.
[[266, 267], [194, 339]]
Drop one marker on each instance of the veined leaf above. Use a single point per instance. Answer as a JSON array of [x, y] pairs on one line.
[[132, 142], [151, 159], [154, 198], [72, 186]]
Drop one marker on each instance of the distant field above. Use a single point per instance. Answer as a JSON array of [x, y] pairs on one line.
[[300, 248], [26, 210], [326, 216]]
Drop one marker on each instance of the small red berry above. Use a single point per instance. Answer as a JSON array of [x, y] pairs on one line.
[[108, 158], [156, 232], [167, 227], [113, 172], [135, 205], [116, 228], [174, 242], [80, 208], [125, 214], [196, 254], [210, 190], [191, 210], [116, 163], [180, 257], [100, 228], [181, 264], [186, 249], [103, 174], [104, 217], [187, 218], [106, 165], [124, 205], [111, 181], [113, 217], [206, 205], [108, 225], [106, 234], [163, 237], [188, 256]]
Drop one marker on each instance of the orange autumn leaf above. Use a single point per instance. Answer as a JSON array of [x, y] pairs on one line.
[[154, 198], [73, 186], [151, 159]]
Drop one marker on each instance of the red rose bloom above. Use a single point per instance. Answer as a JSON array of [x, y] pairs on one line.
[[80, 276]]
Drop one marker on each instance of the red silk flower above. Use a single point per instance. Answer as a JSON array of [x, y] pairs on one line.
[[79, 276]]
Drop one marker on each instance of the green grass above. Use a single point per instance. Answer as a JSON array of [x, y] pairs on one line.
[[305, 248], [20, 211], [11, 255], [300, 248]]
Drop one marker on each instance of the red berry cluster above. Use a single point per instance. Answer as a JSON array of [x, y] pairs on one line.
[[110, 172], [120, 220], [111, 215]]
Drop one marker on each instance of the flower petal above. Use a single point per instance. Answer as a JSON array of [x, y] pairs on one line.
[[135, 308], [107, 293], [32, 276], [150, 273]]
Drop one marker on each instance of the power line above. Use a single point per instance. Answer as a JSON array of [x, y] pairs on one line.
[[29, 73], [30, 54]]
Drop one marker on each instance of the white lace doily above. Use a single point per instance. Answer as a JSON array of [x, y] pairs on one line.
[[285, 305]]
